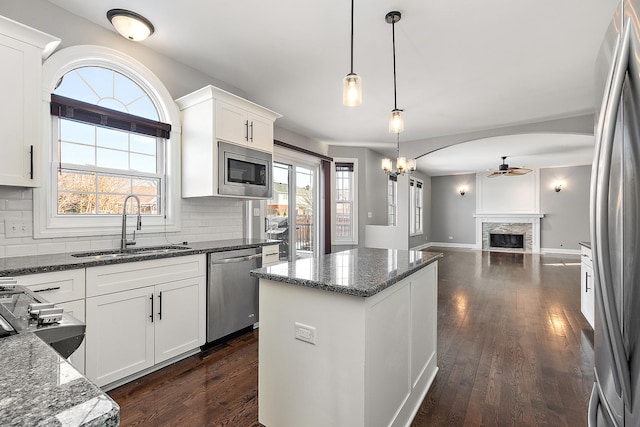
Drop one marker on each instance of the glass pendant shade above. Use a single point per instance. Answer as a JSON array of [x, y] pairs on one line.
[[411, 165], [387, 165], [402, 164], [130, 25], [352, 90], [396, 123]]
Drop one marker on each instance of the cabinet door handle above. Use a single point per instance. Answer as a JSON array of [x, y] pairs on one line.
[[151, 316], [31, 162], [246, 130], [251, 132], [586, 281], [160, 304]]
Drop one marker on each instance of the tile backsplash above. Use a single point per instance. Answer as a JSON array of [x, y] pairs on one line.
[[203, 219]]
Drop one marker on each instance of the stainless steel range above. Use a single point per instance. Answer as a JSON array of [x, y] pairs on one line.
[[22, 311]]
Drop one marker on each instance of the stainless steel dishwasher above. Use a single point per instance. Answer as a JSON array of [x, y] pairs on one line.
[[232, 294]]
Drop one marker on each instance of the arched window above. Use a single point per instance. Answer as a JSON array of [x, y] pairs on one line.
[[108, 140]]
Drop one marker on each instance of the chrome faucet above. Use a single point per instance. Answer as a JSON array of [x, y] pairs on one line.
[[123, 241]]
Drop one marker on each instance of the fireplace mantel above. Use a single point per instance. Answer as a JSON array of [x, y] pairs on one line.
[[532, 218]]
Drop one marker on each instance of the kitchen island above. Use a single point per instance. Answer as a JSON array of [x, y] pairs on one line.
[[347, 339]]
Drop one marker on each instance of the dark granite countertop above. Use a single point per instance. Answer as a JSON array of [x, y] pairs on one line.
[[39, 387], [361, 272], [18, 266], [585, 244]]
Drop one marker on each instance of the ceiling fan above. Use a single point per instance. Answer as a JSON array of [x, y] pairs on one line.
[[505, 170]]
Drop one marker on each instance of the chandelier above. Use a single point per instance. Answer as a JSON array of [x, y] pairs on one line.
[[402, 164], [396, 123]]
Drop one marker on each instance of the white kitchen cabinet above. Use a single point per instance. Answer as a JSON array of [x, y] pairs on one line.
[[180, 317], [66, 289], [587, 296], [142, 314], [210, 115], [270, 255], [22, 50], [119, 338], [239, 126]]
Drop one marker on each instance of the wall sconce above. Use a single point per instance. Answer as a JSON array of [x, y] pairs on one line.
[[130, 25], [557, 186], [462, 190]]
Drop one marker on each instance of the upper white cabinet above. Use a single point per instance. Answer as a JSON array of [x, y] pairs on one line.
[[22, 50], [237, 125], [210, 115]]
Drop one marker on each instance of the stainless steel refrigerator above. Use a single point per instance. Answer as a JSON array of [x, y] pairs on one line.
[[615, 224]]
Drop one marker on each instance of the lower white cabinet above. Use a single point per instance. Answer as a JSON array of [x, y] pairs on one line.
[[587, 296], [66, 289], [131, 330], [270, 255]]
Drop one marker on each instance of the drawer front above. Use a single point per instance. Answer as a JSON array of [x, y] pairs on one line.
[[270, 255], [56, 286], [585, 256], [132, 275]]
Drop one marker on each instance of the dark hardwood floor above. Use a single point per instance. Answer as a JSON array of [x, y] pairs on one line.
[[513, 350]]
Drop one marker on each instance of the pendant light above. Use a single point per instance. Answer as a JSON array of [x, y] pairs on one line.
[[130, 25], [396, 123], [352, 83]]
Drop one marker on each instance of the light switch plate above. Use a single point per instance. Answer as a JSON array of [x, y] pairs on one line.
[[17, 228], [256, 211]]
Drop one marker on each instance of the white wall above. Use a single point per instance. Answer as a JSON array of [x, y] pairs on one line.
[[508, 194]]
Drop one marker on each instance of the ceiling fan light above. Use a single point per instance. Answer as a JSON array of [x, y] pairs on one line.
[[352, 90], [396, 122], [130, 25]]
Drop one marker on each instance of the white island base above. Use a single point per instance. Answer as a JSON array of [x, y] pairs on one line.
[[372, 363]]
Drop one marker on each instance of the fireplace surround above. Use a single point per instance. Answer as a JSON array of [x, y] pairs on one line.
[[527, 225]]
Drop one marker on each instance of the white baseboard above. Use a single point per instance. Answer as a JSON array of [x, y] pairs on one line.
[[450, 245], [560, 251], [420, 247]]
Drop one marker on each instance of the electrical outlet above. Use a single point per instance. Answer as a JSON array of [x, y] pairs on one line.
[[304, 333], [450, 237], [17, 228], [369, 214]]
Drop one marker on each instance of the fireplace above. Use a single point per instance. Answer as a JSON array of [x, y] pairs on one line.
[[509, 241], [527, 226]]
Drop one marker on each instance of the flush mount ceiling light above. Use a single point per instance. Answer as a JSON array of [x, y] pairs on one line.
[[352, 83], [396, 123], [130, 25]]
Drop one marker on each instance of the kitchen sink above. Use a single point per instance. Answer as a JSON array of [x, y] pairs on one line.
[[118, 253]]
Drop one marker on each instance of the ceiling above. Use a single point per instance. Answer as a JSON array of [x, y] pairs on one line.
[[529, 150], [462, 66]]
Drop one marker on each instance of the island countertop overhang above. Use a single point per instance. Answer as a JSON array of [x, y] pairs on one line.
[[361, 272]]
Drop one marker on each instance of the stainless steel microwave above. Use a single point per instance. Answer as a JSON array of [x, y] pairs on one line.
[[243, 172]]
